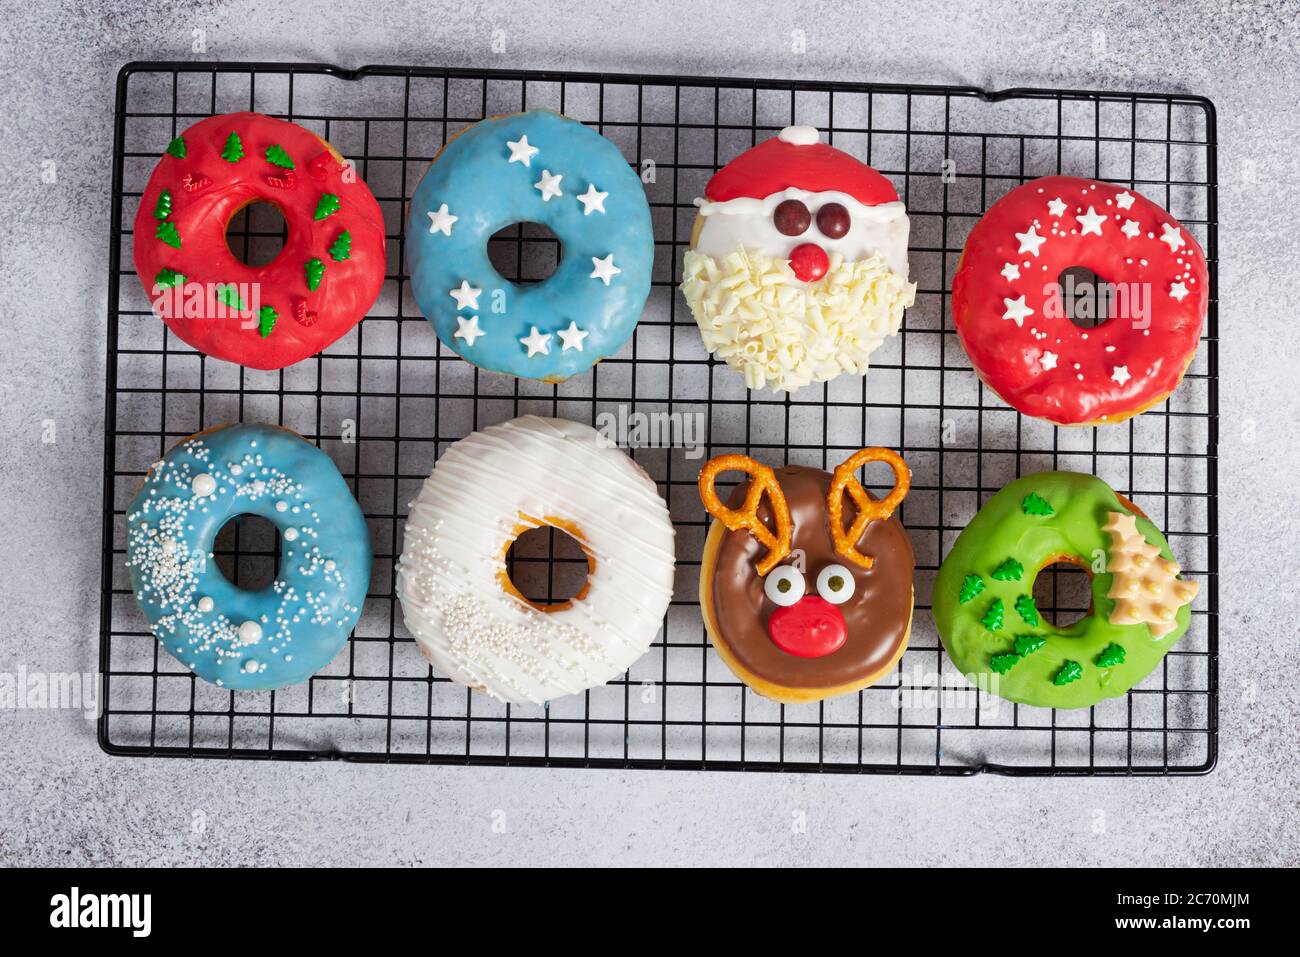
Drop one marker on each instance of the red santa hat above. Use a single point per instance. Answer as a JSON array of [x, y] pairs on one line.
[[796, 158]]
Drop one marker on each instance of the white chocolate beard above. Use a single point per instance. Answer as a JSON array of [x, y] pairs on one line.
[[783, 334]]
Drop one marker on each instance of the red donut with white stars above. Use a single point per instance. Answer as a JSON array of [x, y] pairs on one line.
[[1010, 315]]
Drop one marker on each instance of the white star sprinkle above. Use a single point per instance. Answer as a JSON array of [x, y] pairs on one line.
[[1120, 374], [466, 296], [604, 270], [1091, 222], [521, 152], [468, 329], [593, 201], [1057, 207], [1011, 271], [1130, 228], [548, 185], [1179, 291], [572, 337], [1124, 200], [441, 221], [537, 342], [1173, 237], [1030, 241], [1048, 361], [1017, 310]]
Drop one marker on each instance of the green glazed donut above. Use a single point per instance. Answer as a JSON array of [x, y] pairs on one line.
[[983, 596]]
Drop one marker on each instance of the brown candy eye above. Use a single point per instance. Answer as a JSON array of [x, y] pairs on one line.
[[833, 220], [792, 218]]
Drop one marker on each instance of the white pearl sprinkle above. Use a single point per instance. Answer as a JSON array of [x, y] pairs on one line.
[[206, 604], [290, 534], [282, 506], [203, 484], [250, 666], [250, 633]]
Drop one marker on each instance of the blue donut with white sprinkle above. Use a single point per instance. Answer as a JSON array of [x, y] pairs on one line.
[[534, 167], [239, 639]]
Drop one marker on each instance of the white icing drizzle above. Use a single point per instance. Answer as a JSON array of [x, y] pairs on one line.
[[475, 632]]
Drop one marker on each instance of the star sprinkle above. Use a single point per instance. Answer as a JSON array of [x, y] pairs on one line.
[[537, 342], [521, 152], [1057, 207], [1091, 222], [1030, 241], [1179, 291], [1048, 361], [592, 200], [572, 337], [466, 296], [442, 220], [605, 270], [468, 329], [1130, 228], [1172, 237], [1124, 200], [1011, 271], [1017, 310], [548, 185], [1120, 374]]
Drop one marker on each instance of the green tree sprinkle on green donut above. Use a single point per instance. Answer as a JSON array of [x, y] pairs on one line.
[[276, 156], [1027, 610], [169, 234], [177, 148], [266, 317], [163, 208], [971, 586], [1070, 671], [228, 294], [1035, 504], [992, 619], [315, 269], [341, 248], [1003, 663], [328, 205], [1009, 571], [1111, 656], [168, 277], [233, 151], [1028, 644]]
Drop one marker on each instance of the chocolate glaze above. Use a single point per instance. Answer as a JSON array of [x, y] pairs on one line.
[[877, 615]]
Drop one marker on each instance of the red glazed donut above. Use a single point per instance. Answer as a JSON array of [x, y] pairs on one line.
[[321, 284], [1008, 310]]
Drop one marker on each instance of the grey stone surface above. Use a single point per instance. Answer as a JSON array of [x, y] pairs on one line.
[[63, 801]]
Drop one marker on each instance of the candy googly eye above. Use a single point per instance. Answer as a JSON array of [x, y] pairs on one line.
[[792, 218], [783, 586], [835, 584]]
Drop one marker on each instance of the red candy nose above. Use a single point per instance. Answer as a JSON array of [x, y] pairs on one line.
[[809, 262], [810, 628]]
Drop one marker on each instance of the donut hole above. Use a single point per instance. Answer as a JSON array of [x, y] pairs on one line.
[[257, 233], [547, 567], [1063, 592], [247, 551], [525, 253], [1086, 298]]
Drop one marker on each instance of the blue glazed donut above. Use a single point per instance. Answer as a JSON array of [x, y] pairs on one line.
[[534, 167], [238, 639]]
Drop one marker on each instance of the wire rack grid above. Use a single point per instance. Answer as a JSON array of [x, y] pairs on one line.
[[387, 399]]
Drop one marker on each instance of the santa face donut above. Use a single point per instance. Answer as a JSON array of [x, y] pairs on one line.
[[1008, 310], [797, 269], [457, 598], [806, 582], [317, 288], [238, 639], [534, 167], [983, 596]]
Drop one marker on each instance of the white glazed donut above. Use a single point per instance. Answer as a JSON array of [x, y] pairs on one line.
[[457, 598]]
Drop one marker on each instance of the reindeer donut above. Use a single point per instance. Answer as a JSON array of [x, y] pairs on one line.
[[806, 581]]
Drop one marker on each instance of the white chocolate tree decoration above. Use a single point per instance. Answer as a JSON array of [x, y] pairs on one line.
[[1145, 586]]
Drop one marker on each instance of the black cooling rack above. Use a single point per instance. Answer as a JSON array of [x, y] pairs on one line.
[[386, 400]]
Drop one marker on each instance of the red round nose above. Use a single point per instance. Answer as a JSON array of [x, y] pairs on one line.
[[810, 628], [809, 262]]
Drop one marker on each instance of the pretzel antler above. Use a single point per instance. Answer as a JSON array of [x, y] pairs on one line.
[[869, 510], [761, 480]]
